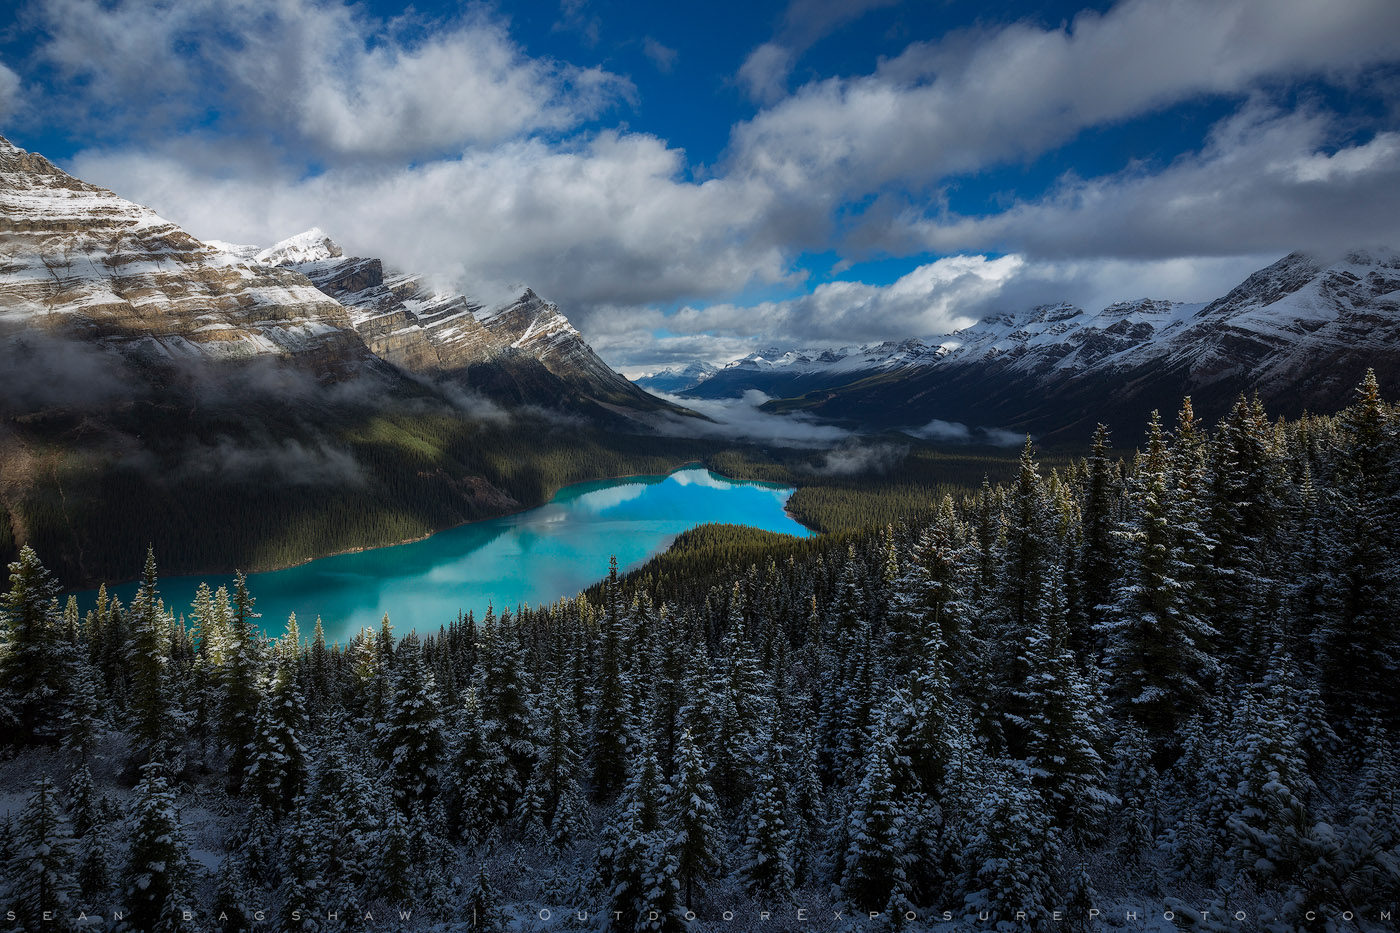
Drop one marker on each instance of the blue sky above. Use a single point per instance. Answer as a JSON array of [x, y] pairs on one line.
[[696, 180]]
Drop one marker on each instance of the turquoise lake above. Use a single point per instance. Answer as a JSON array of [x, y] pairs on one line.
[[535, 557]]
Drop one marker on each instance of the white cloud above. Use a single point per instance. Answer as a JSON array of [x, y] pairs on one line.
[[663, 57], [443, 147], [977, 99], [607, 222], [955, 432], [9, 91], [324, 74], [1265, 182], [735, 418], [765, 72]]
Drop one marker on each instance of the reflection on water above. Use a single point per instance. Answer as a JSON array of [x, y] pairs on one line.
[[533, 557]]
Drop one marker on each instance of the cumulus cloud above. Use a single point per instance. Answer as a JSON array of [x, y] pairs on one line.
[[975, 99], [609, 221], [930, 302], [324, 75]]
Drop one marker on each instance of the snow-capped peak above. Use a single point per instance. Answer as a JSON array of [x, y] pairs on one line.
[[309, 246]]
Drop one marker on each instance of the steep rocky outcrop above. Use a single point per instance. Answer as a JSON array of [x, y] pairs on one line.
[[76, 259], [526, 349]]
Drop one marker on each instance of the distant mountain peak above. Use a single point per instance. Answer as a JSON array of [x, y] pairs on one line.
[[308, 246]]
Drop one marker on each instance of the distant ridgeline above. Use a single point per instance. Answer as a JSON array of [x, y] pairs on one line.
[[1165, 684]]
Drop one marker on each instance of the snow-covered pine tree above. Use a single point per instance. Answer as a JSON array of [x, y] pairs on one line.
[[1157, 647], [410, 741], [1271, 819], [242, 681], [482, 913], [1359, 658], [876, 860], [1094, 568], [277, 766], [155, 720], [473, 781], [1011, 851], [35, 658], [506, 708], [636, 869], [159, 874], [555, 777], [693, 820], [612, 696], [1058, 729], [83, 720], [767, 869], [42, 891]]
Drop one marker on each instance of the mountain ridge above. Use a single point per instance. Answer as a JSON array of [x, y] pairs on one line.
[[1300, 332]]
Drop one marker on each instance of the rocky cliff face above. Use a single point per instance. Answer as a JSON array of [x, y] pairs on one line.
[[76, 259], [440, 334]]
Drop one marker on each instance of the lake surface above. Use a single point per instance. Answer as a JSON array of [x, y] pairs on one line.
[[535, 557]]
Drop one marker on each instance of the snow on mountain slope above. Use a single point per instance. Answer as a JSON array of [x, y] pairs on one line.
[[76, 257], [1300, 332], [677, 379], [422, 330]]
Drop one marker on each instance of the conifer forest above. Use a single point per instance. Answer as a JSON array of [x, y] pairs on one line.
[[1154, 690]]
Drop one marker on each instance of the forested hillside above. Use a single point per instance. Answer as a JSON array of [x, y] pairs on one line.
[[1163, 685]]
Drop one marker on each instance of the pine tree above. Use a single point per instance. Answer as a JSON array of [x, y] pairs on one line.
[[277, 765], [875, 861], [767, 869], [1095, 570], [635, 866], [155, 719], [475, 776], [506, 707], [242, 694], [158, 873], [1060, 734], [84, 723], [410, 740], [612, 702], [485, 916], [1270, 820], [42, 889], [35, 658], [1010, 849], [693, 820], [1359, 658], [1157, 647]]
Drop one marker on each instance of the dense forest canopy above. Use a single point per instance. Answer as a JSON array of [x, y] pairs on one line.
[[1165, 684]]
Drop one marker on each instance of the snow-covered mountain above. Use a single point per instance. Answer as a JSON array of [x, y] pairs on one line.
[[422, 330], [679, 378], [77, 259], [1300, 333]]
